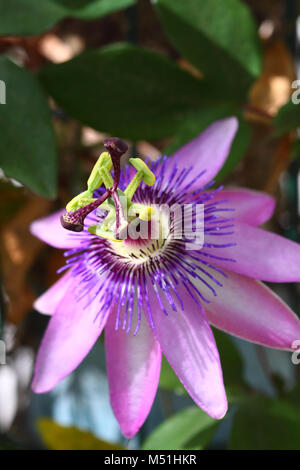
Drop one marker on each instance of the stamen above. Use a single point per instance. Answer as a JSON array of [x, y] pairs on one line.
[[143, 174], [125, 213]]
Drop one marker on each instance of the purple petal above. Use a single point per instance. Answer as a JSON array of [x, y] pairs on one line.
[[48, 302], [251, 207], [248, 309], [207, 152], [259, 254], [133, 367], [49, 230], [187, 342], [71, 333]]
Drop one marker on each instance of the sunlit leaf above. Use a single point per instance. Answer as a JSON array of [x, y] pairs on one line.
[[58, 437], [188, 429], [219, 37]]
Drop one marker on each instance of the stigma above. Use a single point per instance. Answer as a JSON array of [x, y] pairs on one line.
[[123, 215]]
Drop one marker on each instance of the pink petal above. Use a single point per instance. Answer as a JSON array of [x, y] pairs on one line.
[[48, 302], [252, 207], [133, 368], [49, 230], [248, 309], [207, 152], [258, 254], [71, 333], [187, 342]]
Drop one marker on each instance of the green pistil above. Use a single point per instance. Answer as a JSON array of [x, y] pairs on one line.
[[114, 226], [100, 175]]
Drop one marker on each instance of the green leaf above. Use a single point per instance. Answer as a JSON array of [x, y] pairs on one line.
[[287, 119], [27, 140], [219, 37], [168, 379], [231, 361], [266, 424], [30, 17], [195, 123], [188, 429], [127, 90], [293, 396], [89, 9], [58, 437], [238, 149]]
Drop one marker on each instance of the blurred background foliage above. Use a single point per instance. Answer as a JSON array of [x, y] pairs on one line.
[[156, 74]]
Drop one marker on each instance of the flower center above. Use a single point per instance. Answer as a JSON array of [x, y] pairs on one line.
[[146, 240], [149, 246]]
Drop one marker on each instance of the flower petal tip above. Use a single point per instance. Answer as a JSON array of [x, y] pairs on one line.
[[38, 388], [232, 123], [34, 228], [49, 230], [39, 307], [217, 409], [223, 130], [129, 433], [227, 128], [220, 412]]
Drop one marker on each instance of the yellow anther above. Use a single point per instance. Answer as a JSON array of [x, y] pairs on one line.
[[147, 176], [146, 213], [143, 174]]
